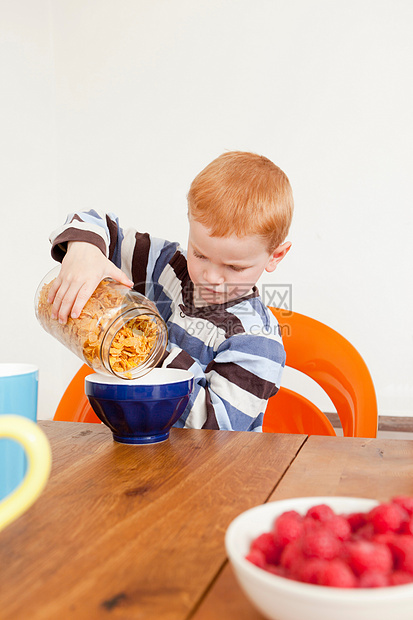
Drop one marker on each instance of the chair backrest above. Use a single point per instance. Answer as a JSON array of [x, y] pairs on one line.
[[330, 360], [74, 405]]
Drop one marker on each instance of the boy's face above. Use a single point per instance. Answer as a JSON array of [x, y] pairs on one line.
[[225, 268]]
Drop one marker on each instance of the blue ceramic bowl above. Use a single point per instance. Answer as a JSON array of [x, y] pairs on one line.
[[140, 411]]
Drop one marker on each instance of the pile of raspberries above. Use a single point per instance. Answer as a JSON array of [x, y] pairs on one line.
[[358, 550]]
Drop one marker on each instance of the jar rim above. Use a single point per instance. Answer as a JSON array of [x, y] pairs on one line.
[[118, 323]]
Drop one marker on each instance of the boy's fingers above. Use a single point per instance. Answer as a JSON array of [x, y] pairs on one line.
[[72, 289], [64, 300], [54, 287], [119, 276], [64, 311], [82, 297], [58, 296]]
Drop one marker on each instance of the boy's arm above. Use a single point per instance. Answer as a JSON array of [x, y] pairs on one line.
[[83, 245], [104, 249], [232, 392], [83, 267]]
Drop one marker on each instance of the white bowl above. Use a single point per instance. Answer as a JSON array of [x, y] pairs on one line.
[[278, 598]]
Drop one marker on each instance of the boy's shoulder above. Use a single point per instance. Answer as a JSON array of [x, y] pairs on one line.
[[253, 332], [256, 318], [248, 317]]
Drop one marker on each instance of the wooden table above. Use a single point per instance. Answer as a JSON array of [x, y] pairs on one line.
[[133, 531], [137, 532]]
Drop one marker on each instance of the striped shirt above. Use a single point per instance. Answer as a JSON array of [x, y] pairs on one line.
[[233, 349]]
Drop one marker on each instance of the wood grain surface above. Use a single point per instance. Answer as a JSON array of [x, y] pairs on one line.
[[133, 532], [353, 467]]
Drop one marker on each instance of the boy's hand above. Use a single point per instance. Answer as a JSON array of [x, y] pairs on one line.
[[83, 267]]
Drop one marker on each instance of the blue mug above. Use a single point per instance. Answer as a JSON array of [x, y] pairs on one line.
[[18, 396]]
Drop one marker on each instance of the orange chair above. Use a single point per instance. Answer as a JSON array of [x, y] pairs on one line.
[[331, 361], [74, 405]]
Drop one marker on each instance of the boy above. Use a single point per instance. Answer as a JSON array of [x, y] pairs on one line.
[[239, 208]]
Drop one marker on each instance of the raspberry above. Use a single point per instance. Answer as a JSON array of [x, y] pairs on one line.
[[338, 575], [320, 543], [312, 570], [364, 555], [356, 520], [291, 555], [407, 526], [322, 513], [405, 502], [386, 517], [296, 568], [256, 557], [289, 514], [402, 549], [267, 545], [373, 579], [365, 532], [311, 525], [399, 578], [385, 539], [275, 570], [287, 527], [339, 526]]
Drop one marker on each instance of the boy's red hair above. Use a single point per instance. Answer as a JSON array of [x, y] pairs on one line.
[[243, 194]]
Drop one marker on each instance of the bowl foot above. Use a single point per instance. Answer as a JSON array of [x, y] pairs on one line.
[[143, 440]]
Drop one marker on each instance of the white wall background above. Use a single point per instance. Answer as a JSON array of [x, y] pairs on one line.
[[117, 104]]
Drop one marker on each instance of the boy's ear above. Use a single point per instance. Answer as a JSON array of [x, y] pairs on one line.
[[277, 256]]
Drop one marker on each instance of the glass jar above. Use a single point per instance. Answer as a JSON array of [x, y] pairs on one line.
[[119, 331]]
